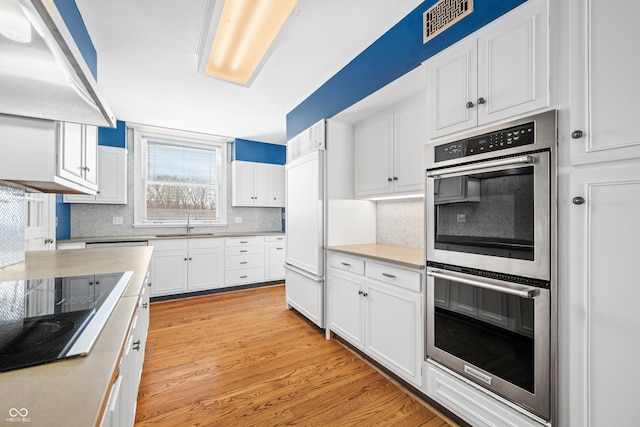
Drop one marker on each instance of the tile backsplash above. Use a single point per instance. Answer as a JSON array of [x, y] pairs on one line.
[[400, 222], [12, 225]]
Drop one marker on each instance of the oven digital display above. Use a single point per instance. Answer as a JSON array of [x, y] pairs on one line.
[[500, 140]]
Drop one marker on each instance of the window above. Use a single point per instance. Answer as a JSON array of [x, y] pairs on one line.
[[178, 173]]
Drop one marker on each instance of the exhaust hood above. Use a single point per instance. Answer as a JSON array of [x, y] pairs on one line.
[[42, 71]]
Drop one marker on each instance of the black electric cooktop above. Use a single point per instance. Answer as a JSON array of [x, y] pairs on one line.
[[45, 320]]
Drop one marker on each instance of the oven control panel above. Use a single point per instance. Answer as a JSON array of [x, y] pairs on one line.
[[500, 140]]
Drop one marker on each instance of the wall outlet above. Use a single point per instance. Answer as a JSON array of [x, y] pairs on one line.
[[238, 220], [117, 220], [461, 218]]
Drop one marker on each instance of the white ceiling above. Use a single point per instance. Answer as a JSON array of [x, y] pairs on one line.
[[147, 63]]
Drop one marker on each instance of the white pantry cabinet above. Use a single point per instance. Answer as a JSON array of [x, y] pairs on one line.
[[378, 308], [604, 81], [498, 72], [602, 314], [389, 151], [112, 179], [257, 184], [62, 157], [274, 258], [187, 265]]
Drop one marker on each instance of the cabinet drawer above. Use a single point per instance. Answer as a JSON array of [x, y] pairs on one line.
[[346, 263], [243, 250], [205, 243], [395, 276], [277, 238], [243, 262], [237, 277], [243, 241]]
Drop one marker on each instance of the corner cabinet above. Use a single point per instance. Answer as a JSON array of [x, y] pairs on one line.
[[389, 151], [112, 179], [496, 73], [378, 309], [257, 184], [62, 157]]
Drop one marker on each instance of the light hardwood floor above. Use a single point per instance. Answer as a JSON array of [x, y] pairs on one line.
[[242, 359]]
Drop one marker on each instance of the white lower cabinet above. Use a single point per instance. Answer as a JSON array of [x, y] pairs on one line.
[[274, 251], [187, 265], [120, 409], [378, 308], [243, 260], [469, 403]]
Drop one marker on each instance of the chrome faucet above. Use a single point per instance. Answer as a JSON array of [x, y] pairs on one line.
[[189, 227]]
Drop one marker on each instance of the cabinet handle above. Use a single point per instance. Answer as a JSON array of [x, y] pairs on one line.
[[136, 345], [244, 242], [243, 262], [364, 294], [145, 305], [578, 200], [577, 134], [190, 258], [185, 259], [346, 264], [360, 292], [279, 249], [470, 104], [390, 276], [395, 178], [481, 101], [243, 251], [243, 277], [389, 179], [149, 284]]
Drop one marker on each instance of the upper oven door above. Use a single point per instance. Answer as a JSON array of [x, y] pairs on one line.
[[492, 215]]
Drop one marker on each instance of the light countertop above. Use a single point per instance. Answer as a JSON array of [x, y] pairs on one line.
[[73, 392], [402, 255], [193, 235]]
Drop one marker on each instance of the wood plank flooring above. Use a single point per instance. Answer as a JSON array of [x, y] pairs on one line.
[[242, 359]]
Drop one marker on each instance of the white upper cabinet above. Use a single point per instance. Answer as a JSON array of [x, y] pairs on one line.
[[112, 179], [257, 184], [389, 151], [604, 81], [62, 157], [496, 73]]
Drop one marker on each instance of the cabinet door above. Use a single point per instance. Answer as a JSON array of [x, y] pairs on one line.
[[274, 261], [277, 172], [393, 327], [452, 88], [90, 154], [262, 185], [604, 81], [513, 64], [242, 184], [71, 154], [206, 268], [410, 135], [169, 267], [374, 156], [601, 299], [112, 175], [346, 305]]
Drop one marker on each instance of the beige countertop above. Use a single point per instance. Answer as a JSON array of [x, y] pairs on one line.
[[193, 235], [402, 255], [72, 392]]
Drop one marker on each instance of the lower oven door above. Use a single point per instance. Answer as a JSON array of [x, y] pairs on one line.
[[492, 332]]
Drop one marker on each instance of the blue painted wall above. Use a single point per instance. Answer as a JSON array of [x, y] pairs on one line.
[[394, 54], [113, 137], [260, 152], [63, 215], [72, 18]]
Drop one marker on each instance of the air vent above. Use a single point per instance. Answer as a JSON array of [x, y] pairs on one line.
[[442, 15]]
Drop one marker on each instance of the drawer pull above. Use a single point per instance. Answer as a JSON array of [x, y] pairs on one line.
[[244, 242], [279, 249], [243, 262], [346, 264], [390, 276], [243, 277], [244, 250], [136, 345]]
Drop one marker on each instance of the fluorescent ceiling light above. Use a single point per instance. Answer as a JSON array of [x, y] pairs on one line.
[[245, 32]]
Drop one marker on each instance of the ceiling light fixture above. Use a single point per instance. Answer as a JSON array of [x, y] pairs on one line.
[[237, 36]]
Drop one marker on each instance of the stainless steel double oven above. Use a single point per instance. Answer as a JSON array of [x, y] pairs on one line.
[[490, 247]]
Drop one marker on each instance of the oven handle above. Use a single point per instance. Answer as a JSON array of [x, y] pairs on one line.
[[500, 286], [479, 166]]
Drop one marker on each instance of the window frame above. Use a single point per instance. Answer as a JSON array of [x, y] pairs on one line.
[[143, 133]]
